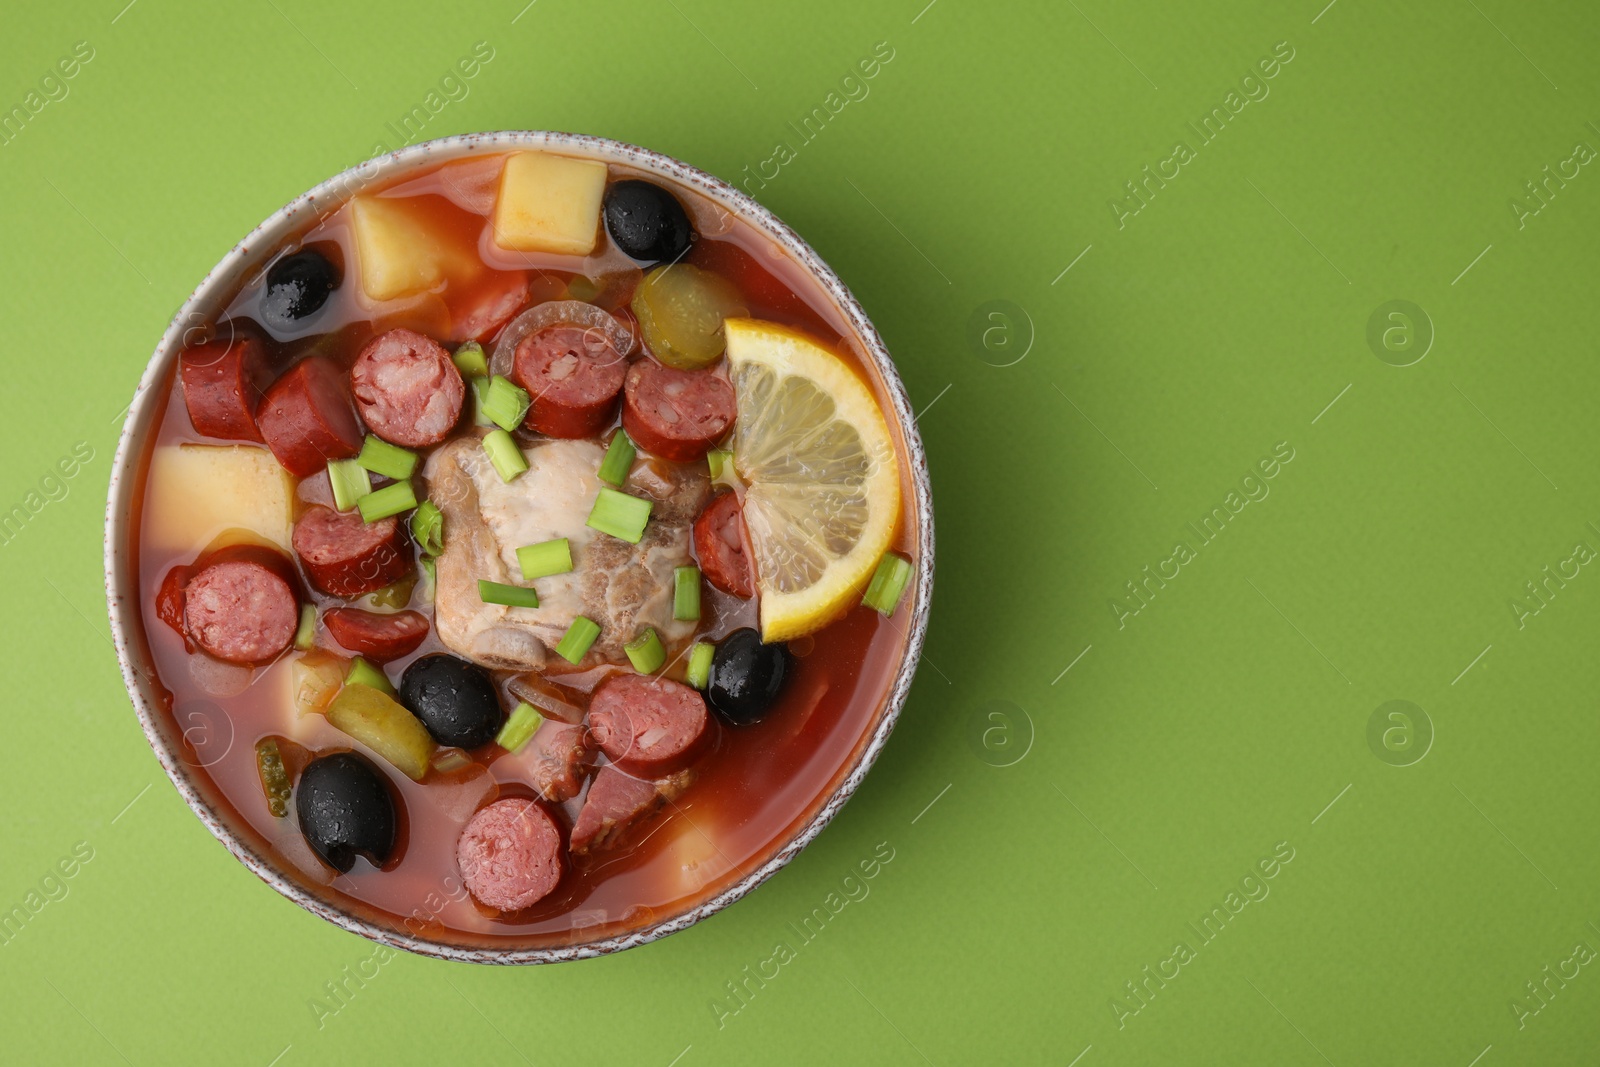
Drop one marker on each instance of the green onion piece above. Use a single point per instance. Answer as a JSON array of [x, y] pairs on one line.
[[888, 583], [432, 573], [504, 454], [480, 390], [619, 459], [519, 728], [580, 635], [390, 500], [505, 403], [620, 515], [718, 459], [427, 528], [307, 631], [471, 361], [350, 483], [380, 457], [545, 558], [364, 673], [686, 593], [646, 652], [274, 778], [450, 760], [516, 596], [699, 673]]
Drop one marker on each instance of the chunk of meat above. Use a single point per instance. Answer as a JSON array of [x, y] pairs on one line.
[[223, 383], [723, 546], [555, 761], [618, 802], [676, 414], [306, 418], [379, 636], [407, 389], [619, 586], [510, 854], [647, 724], [344, 556]]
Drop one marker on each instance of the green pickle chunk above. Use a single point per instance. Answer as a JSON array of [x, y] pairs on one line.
[[680, 311], [274, 776]]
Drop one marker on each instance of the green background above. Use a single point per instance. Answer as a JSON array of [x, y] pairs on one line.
[[1080, 819]]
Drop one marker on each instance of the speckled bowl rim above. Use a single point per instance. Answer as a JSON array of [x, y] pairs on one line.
[[121, 571]]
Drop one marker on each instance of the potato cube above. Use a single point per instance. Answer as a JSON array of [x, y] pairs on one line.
[[549, 203], [196, 492], [402, 252]]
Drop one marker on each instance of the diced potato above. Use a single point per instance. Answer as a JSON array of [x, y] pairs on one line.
[[402, 252], [196, 492], [378, 721], [314, 680], [549, 204]]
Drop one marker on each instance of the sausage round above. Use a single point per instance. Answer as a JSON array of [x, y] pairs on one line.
[[616, 801], [223, 382], [723, 547], [240, 606], [510, 854], [344, 556], [676, 414], [379, 636], [306, 418], [407, 389], [572, 375], [645, 723]]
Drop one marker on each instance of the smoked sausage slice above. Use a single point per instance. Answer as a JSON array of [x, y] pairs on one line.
[[510, 854], [379, 636], [306, 418], [223, 383], [344, 556], [407, 389], [616, 802], [645, 723], [723, 547], [240, 604], [572, 375], [676, 414]]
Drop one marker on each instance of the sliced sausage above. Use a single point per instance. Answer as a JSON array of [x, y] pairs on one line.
[[723, 546], [169, 598], [407, 389], [645, 723], [344, 556], [555, 761], [223, 383], [616, 802], [490, 307], [573, 375], [510, 854], [240, 604], [379, 636], [676, 414], [306, 418]]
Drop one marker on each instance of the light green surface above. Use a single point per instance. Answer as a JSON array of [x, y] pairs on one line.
[[1180, 748]]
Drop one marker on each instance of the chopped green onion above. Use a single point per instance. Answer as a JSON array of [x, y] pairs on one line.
[[504, 454], [350, 483], [471, 361], [307, 631], [364, 673], [545, 558], [390, 500], [516, 596], [619, 458], [480, 390], [888, 583], [380, 457], [620, 515], [579, 636], [505, 403], [519, 728], [427, 528], [274, 778], [718, 459], [686, 593], [432, 585], [646, 652], [699, 673], [450, 760]]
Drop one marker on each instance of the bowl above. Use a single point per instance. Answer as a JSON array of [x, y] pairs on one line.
[[209, 298]]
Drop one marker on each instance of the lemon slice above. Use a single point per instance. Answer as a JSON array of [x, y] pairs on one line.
[[824, 486]]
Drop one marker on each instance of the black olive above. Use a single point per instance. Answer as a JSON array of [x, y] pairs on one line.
[[647, 222], [345, 810], [746, 677], [454, 699], [297, 287]]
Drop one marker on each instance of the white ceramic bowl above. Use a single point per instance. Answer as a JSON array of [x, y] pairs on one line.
[[208, 299]]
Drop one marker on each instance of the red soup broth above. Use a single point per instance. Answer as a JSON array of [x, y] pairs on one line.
[[757, 786]]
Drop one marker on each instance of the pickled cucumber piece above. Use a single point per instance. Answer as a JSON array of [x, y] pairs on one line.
[[379, 722], [274, 778], [680, 311]]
